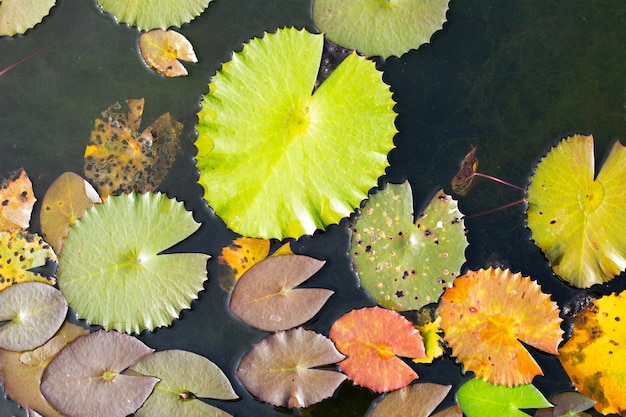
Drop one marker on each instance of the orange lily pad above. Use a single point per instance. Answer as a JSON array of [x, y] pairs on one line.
[[372, 339], [161, 50], [594, 356], [487, 313], [16, 201]]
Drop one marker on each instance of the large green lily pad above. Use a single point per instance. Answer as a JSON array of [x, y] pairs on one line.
[[112, 271], [276, 161], [577, 220], [405, 266], [154, 14]]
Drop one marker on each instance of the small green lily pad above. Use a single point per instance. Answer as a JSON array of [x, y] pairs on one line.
[[112, 271], [405, 266], [154, 14]]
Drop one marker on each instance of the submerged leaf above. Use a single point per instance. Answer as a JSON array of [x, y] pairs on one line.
[[17, 16], [280, 369], [371, 338], [84, 379], [576, 219], [16, 200], [161, 50], [382, 28], [120, 159], [113, 272], [276, 161], [417, 400], [265, 297], [65, 201], [479, 398], [594, 357], [487, 313], [20, 253], [567, 404], [183, 378], [34, 311], [463, 179], [154, 14], [405, 266], [20, 372]]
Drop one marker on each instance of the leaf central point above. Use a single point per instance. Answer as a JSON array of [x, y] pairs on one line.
[[297, 121], [109, 375], [591, 197]]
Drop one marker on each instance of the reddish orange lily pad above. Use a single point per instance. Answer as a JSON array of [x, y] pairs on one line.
[[372, 339], [16, 201], [487, 313]]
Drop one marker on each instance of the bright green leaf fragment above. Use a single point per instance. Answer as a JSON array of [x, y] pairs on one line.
[[34, 312], [276, 161], [577, 220], [479, 398], [154, 14], [184, 377], [17, 16], [405, 266], [380, 27], [112, 271]]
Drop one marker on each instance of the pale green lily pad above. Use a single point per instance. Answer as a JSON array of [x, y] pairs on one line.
[[577, 220], [405, 266], [35, 311], [17, 16], [112, 271], [184, 378], [276, 161], [154, 14], [380, 27]]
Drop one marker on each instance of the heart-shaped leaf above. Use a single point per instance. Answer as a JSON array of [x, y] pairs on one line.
[[161, 50], [65, 201], [576, 219], [85, 379], [16, 198], [479, 398], [280, 369], [20, 372], [112, 271], [34, 312], [276, 161], [17, 16], [154, 14], [371, 338], [405, 266], [183, 378], [486, 314], [20, 253], [265, 296], [382, 28], [417, 400]]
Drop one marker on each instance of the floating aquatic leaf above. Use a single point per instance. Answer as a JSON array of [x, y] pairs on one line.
[[280, 369], [417, 400], [575, 219], [20, 372], [405, 266], [567, 404], [85, 379], [266, 296], [34, 312], [463, 179], [382, 28], [65, 201], [183, 378], [372, 339], [16, 200], [487, 313], [154, 14], [112, 271], [276, 161], [594, 357], [161, 50], [479, 398], [120, 159], [17, 16], [20, 252], [433, 340], [452, 411]]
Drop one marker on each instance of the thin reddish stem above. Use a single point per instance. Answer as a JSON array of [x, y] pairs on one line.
[[482, 213], [478, 174], [15, 64]]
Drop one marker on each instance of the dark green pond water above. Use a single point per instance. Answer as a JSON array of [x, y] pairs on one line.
[[510, 77]]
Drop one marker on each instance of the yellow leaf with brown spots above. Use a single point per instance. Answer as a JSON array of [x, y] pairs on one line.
[[21, 251], [16, 201]]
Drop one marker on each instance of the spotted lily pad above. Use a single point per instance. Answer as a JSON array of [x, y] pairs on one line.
[[154, 14], [34, 312], [16, 200], [17, 16], [576, 218], [184, 377], [21, 253], [405, 266], [382, 28], [112, 269], [276, 161]]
